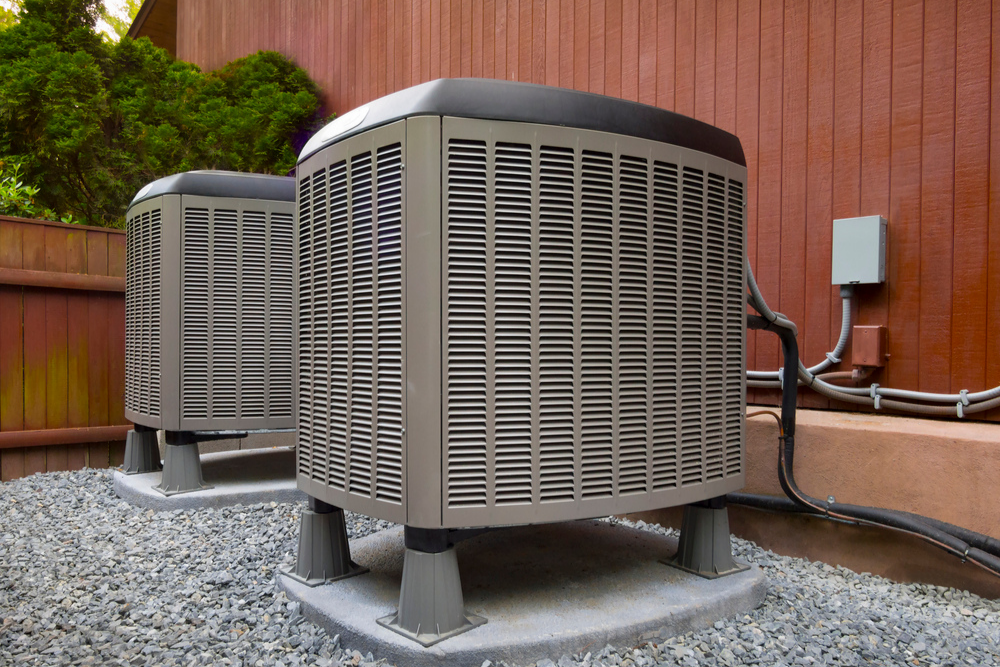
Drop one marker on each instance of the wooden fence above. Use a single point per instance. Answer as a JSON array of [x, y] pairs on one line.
[[62, 347]]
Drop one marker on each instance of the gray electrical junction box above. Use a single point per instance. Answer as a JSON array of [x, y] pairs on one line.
[[859, 250]]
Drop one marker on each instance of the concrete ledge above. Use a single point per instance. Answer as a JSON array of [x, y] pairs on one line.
[[238, 478], [948, 470], [545, 591]]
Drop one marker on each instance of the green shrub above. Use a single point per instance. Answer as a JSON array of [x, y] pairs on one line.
[[91, 122], [18, 199]]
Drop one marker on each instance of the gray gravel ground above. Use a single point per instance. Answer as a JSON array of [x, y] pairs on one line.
[[86, 578]]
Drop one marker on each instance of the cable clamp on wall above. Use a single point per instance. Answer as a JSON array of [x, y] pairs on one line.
[[965, 397], [959, 410], [833, 359]]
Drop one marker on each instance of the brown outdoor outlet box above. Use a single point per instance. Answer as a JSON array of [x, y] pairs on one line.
[[869, 347]]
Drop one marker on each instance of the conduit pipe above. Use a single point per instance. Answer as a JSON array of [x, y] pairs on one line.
[[964, 402], [941, 535]]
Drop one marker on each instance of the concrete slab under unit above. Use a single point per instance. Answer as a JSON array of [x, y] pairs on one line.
[[237, 478], [545, 591]]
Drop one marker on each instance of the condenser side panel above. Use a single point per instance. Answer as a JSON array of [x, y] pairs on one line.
[[592, 324], [144, 271], [351, 364], [235, 314]]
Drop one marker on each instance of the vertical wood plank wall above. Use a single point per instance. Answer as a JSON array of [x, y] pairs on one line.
[[62, 351], [844, 108]]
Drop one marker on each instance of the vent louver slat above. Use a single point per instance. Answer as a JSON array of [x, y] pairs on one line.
[[465, 338], [664, 318], [253, 325], [511, 254], [145, 310], [225, 314], [280, 316], [337, 250], [556, 325], [319, 281], [362, 325], [306, 441], [131, 373], [195, 309], [154, 313], [633, 313], [715, 312], [389, 430], [735, 329], [596, 304], [692, 291]]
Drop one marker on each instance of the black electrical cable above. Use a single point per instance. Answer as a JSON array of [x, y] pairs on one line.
[[940, 534], [789, 506]]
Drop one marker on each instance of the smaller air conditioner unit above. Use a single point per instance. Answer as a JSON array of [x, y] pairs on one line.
[[208, 315]]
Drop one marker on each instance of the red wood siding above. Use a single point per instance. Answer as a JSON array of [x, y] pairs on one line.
[[62, 351], [844, 108]]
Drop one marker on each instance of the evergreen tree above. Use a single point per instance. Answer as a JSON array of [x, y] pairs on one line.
[[91, 122]]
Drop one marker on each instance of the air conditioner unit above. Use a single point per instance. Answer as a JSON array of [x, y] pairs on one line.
[[518, 304], [209, 305]]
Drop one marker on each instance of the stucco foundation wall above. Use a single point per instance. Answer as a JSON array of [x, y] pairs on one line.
[[947, 470]]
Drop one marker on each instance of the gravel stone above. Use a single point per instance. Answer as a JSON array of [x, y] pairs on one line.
[[87, 579]]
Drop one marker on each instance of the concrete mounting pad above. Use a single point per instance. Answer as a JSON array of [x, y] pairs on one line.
[[545, 591], [237, 478]]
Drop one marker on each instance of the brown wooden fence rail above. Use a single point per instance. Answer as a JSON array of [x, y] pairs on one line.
[[62, 347]]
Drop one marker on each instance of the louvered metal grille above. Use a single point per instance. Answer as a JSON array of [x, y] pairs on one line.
[[510, 359], [279, 317], [350, 335], [665, 252], [195, 309], [593, 324], [253, 329], [389, 325], [557, 372], [236, 317], [735, 331], [465, 338], [142, 313]]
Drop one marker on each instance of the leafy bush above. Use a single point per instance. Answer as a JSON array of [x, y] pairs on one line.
[[92, 122], [18, 199]]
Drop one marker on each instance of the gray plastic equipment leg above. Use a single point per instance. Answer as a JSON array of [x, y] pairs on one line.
[[704, 547], [431, 606], [181, 470], [324, 553], [142, 452]]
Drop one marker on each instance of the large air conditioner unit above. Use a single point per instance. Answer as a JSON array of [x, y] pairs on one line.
[[518, 304], [209, 307]]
